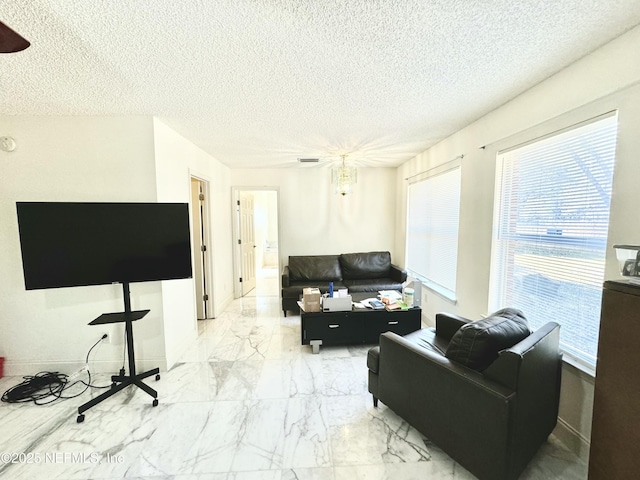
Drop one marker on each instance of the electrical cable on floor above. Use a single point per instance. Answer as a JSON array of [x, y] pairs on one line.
[[39, 387]]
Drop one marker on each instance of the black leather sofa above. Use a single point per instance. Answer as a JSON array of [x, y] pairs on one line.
[[485, 392], [359, 272]]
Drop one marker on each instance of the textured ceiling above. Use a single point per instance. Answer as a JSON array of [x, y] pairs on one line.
[[263, 82]]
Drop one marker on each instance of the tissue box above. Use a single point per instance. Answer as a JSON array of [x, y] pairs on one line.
[[336, 304], [311, 299]]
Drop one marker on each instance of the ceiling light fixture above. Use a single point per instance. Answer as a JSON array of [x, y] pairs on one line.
[[344, 178]]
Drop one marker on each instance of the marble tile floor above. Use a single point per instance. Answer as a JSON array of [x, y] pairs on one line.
[[247, 402]]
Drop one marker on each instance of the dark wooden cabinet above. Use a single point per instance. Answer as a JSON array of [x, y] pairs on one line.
[[615, 433]]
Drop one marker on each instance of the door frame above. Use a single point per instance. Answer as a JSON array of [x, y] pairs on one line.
[[237, 254], [247, 245], [207, 239]]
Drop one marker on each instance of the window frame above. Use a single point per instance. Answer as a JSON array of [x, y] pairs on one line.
[[550, 239]]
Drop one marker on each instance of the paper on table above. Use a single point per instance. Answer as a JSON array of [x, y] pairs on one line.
[[392, 295]]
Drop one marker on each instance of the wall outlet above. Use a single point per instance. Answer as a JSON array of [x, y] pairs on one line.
[[108, 331]]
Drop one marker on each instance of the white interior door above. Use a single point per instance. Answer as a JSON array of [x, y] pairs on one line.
[[200, 253], [247, 242]]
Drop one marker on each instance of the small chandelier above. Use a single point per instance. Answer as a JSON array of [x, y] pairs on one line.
[[343, 178]]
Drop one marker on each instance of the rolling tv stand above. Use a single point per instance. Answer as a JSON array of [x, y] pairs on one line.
[[119, 382]]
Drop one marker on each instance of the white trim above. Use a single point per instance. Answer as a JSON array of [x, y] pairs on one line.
[[439, 290], [572, 439], [578, 364]]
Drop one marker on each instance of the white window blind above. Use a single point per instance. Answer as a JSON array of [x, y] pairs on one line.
[[550, 232], [433, 210]]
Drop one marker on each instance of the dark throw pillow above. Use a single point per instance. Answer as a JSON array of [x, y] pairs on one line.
[[476, 344]]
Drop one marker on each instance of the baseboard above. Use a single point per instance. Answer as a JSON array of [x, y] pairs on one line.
[[19, 369], [572, 439], [221, 306], [185, 343]]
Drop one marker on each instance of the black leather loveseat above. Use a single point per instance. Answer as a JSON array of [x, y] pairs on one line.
[[359, 272], [485, 392]]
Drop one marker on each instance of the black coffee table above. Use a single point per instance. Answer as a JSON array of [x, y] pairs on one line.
[[358, 326]]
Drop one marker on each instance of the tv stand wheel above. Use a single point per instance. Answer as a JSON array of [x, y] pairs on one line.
[[80, 418], [155, 402], [157, 377]]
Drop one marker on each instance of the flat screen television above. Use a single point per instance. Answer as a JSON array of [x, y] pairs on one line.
[[67, 244]]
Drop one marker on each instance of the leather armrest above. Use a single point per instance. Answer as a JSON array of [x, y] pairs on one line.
[[398, 274], [285, 276], [373, 359], [396, 350], [447, 324], [506, 368]]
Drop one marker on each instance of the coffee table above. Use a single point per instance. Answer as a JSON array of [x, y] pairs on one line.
[[358, 326]]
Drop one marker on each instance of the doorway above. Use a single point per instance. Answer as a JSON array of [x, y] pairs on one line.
[[200, 236], [256, 237]]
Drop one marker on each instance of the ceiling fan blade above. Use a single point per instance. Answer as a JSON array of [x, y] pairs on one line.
[[11, 41]]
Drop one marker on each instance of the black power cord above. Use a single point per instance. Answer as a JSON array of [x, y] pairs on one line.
[[39, 387]]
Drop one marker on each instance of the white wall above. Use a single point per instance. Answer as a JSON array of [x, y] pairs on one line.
[[316, 221], [72, 159], [603, 81], [119, 159], [177, 160]]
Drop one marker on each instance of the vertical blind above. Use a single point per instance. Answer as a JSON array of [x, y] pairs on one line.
[[433, 210], [551, 220]]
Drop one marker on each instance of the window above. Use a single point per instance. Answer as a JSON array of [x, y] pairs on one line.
[[551, 220], [433, 209]]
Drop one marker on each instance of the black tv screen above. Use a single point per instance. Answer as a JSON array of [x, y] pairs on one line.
[[68, 244]]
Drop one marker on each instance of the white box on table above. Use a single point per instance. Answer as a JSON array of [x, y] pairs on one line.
[[336, 304], [311, 299]]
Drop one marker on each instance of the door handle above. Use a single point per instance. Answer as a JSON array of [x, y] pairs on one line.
[[334, 325], [393, 323]]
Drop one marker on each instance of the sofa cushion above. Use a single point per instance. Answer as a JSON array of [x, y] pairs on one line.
[[314, 267], [365, 265], [294, 290], [477, 344], [372, 285]]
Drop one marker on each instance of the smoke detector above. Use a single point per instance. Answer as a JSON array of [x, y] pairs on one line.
[[8, 144]]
